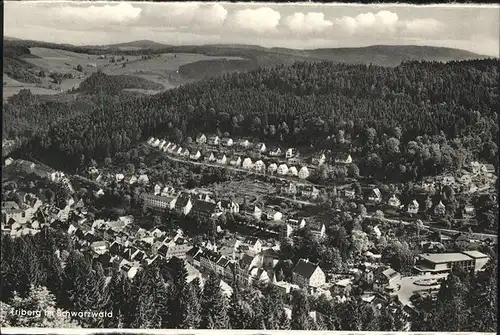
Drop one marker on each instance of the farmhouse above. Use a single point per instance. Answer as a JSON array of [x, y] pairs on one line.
[[282, 169], [306, 274], [303, 172]]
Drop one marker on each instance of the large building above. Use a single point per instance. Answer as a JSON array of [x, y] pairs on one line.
[[443, 263], [306, 274], [157, 201]]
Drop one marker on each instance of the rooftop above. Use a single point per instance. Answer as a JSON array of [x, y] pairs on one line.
[[475, 254], [305, 268], [445, 258]]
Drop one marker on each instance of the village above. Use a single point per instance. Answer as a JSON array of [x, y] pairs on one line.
[[282, 205]]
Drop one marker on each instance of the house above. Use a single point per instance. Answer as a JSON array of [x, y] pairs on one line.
[[158, 201], [289, 188], [474, 167], [185, 153], [192, 256], [259, 166], [179, 250], [290, 153], [272, 168], [167, 190], [157, 189], [235, 161], [151, 140], [444, 262], [385, 279], [413, 207], [295, 161], [247, 163], [292, 171], [346, 159], [183, 204], [275, 152], [245, 144], [195, 156], [99, 247], [143, 179], [211, 157], [162, 144], [221, 160], [272, 215], [228, 206], [155, 143], [201, 139], [448, 180], [261, 147], [270, 258], [178, 151], [296, 223], [227, 142], [131, 180], [319, 233], [8, 161], [375, 195], [440, 209], [282, 169], [130, 270], [465, 179], [306, 274], [213, 140], [257, 213], [309, 192], [259, 275], [172, 148], [318, 159], [394, 201], [303, 172], [489, 168], [203, 210], [343, 287]]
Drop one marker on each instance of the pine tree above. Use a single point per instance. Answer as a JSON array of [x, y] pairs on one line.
[[177, 306], [300, 311], [191, 317], [213, 307]]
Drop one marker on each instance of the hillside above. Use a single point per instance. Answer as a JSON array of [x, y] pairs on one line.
[[112, 85], [305, 103]]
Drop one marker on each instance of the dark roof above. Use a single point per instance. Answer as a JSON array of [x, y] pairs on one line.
[[193, 251], [223, 262], [182, 200], [270, 252], [116, 248], [139, 256], [163, 250], [245, 261], [204, 206], [304, 268], [225, 203], [104, 259]]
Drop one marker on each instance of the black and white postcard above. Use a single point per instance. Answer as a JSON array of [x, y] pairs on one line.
[[260, 167]]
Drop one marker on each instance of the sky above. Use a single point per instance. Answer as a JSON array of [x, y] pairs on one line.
[[299, 26]]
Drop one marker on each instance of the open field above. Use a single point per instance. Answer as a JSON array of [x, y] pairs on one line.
[[162, 68], [252, 189]]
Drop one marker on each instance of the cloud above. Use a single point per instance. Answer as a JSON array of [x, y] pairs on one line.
[[259, 20], [311, 22], [421, 27], [119, 13], [381, 22], [189, 15]]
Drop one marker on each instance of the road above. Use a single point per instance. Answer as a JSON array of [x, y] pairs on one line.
[[480, 236]]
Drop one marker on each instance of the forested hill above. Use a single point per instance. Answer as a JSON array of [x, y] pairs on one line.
[[440, 111], [113, 85]]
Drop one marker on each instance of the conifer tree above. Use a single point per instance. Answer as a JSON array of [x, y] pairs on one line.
[[191, 316], [213, 306], [300, 311]]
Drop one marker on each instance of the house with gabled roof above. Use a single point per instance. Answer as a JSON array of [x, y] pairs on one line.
[[439, 209], [257, 213], [344, 159], [185, 153], [289, 188], [318, 159], [303, 173], [201, 139], [196, 156], [143, 179], [290, 152], [235, 161], [282, 169], [247, 164], [259, 166], [261, 147], [157, 189], [292, 172], [204, 210], [307, 274], [272, 168], [385, 279], [309, 191], [155, 143], [151, 140], [162, 144], [394, 201], [275, 152], [245, 143], [413, 207], [222, 159], [272, 214], [213, 140], [375, 195], [227, 142], [228, 206], [183, 203]]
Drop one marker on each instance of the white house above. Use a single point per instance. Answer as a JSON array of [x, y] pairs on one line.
[[290, 152], [157, 189], [259, 166], [227, 142], [132, 180], [304, 172], [143, 179], [235, 161], [344, 160], [247, 163], [213, 140], [282, 169], [375, 195], [178, 151], [162, 144], [319, 159], [257, 213], [222, 160], [292, 171], [394, 201], [245, 144], [119, 177], [272, 168], [261, 147], [9, 161], [211, 157], [151, 140], [156, 143], [413, 207], [195, 156], [306, 274], [201, 139], [275, 152]]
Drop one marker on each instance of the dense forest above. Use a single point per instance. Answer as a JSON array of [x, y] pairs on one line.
[[419, 118], [213, 67], [113, 85], [46, 272]]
